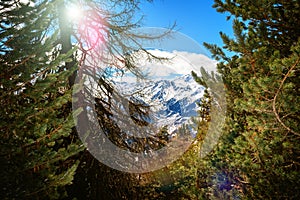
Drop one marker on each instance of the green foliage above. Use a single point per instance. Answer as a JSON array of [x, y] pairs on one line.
[[38, 142], [259, 150], [256, 158]]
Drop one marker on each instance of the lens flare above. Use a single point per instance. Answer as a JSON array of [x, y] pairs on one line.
[[88, 25], [92, 34]]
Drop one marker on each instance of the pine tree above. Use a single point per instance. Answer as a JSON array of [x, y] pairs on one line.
[[36, 125], [40, 149], [258, 156]]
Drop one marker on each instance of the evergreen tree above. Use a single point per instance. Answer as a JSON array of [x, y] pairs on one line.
[[36, 126], [40, 149], [258, 156]]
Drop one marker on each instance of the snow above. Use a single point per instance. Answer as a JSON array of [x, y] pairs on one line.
[[168, 87], [173, 102]]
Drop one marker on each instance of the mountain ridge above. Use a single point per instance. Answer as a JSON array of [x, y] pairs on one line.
[[173, 102]]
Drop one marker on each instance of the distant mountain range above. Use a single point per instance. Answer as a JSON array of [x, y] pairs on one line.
[[172, 102]]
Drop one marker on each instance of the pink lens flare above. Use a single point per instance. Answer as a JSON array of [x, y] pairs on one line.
[[92, 31]]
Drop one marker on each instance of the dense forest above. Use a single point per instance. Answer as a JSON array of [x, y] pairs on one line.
[[42, 157]]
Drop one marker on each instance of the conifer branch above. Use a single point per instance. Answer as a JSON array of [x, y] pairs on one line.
[[276, 95]]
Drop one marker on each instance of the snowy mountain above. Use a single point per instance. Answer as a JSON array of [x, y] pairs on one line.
[[172, 102], [168, 94]]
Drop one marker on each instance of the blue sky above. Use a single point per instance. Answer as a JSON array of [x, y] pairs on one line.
[[195, 18]]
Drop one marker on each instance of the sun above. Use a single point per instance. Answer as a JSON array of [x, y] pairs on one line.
[[74, 12]]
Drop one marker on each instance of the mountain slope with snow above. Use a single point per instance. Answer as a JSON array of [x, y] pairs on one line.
[[172, 102], [167, 94]]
